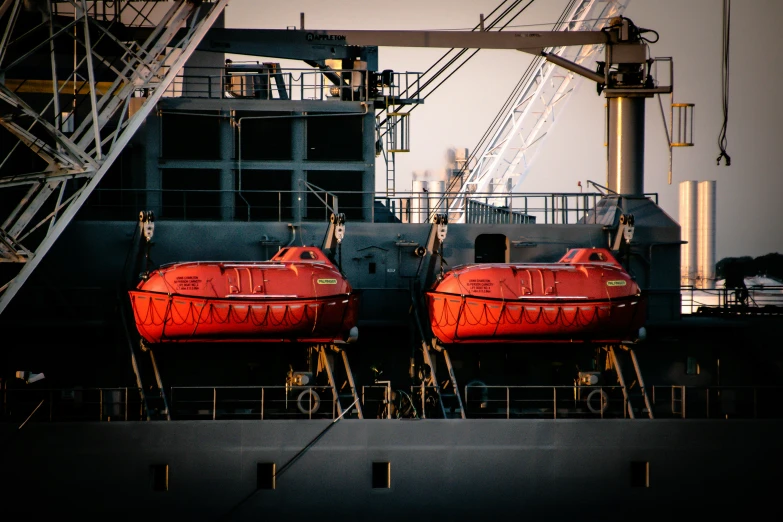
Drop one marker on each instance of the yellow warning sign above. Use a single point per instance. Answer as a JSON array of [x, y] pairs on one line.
[[616, 283], [334, 281]]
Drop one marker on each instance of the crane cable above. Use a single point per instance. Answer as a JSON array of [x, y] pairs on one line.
[[722, 141], [463, 51], [460, 53], [509, 101]]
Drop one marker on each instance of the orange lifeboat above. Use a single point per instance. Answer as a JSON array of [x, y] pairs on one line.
[[586, 296], [298, 295]]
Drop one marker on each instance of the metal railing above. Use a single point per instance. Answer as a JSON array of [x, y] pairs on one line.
[[75, 404], [717, 402], [385, 402], [382, 401], [531, 207], [283, 205], [252, 402], [290, 84], [542, 402], [754, 300]]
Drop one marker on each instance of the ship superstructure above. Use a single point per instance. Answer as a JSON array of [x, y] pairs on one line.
[[235, 162]]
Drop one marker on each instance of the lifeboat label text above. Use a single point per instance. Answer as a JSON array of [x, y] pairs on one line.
[[480, 286], [187, 282], [313, 37], [616, 283], [327, 281]]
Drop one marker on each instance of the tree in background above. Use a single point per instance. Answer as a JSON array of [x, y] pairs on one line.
[[769, 265]]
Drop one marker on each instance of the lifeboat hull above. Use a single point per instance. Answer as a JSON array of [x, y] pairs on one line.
[[298, 296], [464, 319], [162, 318], [566, 301]]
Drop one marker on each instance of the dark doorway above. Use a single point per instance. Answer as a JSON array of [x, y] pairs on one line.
[[491, 248]]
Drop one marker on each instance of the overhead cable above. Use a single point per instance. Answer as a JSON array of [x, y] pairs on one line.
[[722, 140]]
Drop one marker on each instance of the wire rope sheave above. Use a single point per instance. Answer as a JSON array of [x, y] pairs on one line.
[[597, 401], [308, 401]]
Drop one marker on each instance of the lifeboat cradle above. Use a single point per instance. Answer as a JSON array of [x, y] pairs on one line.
[[449, 400]]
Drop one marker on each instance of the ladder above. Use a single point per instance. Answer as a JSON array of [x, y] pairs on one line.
[[639, 379], [455, 400], [390, 173], [342, 401], [455, 405], [394, 133]]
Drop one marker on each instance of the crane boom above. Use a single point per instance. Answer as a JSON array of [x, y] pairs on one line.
[[527, 41], [505, 160]]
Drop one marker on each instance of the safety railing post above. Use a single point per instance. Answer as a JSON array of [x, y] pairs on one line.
[[423, 402], [126, 402], [262, 403], [508, 402], [602, 402], [214, 403], [554, 402], [708, 403], [100, 402]]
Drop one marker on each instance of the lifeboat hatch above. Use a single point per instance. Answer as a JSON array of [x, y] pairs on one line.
[[491, 248]]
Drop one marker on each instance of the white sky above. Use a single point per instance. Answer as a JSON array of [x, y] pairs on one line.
[[750, 191]]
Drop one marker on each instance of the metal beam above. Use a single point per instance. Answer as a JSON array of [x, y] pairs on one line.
[[528, 41], [143, 75]]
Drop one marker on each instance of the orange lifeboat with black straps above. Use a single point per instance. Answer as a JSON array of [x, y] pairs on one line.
[[299, 295], [587, 296]]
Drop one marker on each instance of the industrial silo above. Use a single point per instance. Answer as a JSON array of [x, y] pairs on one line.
[[706, 233], [688, 232]]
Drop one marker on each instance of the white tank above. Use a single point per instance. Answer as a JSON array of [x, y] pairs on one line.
[[420, 205], [688, 232], [437, 188], [706, 232]]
